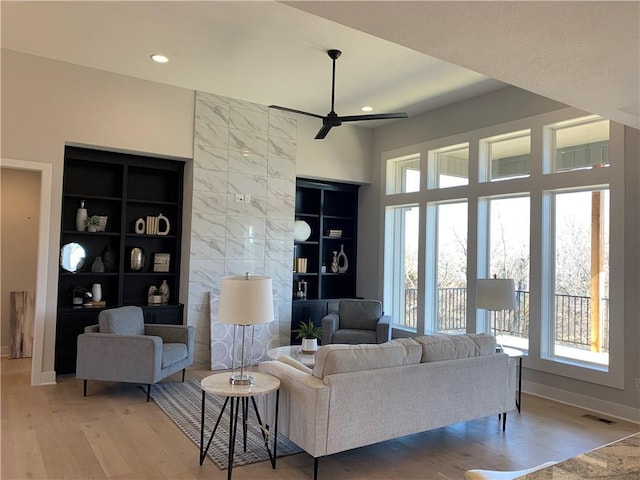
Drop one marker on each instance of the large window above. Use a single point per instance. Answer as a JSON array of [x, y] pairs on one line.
[[536, 201], [509, 258], [401, 265], [449, 256], [580, 303]]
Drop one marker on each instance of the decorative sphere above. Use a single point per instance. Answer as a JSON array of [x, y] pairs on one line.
[[301, 230]]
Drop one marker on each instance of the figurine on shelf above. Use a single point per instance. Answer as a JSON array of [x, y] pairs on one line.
[[343, 262], [334, 262], [81, 218], [164, 290]]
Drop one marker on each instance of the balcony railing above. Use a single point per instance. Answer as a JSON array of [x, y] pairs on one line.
[[573, 316]]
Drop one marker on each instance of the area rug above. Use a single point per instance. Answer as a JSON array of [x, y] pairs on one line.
[[182, 402]]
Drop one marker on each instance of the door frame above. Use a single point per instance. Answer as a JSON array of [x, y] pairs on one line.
[[45, 170]]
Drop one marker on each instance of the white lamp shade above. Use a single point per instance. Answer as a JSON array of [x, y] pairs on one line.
[[246, 300], [496, 294]]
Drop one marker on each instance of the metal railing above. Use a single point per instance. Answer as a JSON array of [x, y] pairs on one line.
[[573, 316]]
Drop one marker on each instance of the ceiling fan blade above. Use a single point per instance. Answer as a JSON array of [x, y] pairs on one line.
[[323, 132], [373, 116], [295, 111]]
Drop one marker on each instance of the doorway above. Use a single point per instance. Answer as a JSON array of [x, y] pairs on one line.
[[26, 190]]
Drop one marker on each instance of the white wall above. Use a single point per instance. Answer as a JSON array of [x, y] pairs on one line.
[[47, 104]]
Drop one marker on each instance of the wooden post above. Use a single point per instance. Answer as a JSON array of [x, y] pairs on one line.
[[597, 267], [22, 318]]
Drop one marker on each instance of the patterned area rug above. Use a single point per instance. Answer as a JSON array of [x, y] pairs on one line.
[[182, 403]]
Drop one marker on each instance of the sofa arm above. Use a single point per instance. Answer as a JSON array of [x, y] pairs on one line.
[[304, 407], [173, 334], [119, 358], [383, 329], [330, 324]]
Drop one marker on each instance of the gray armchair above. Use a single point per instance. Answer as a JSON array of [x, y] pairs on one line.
[[122, 348], [356, 321]]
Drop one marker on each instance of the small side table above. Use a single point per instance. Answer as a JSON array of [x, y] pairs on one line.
[[515, 353], [218, 384]]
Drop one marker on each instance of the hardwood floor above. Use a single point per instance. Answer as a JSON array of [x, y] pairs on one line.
[[53, 432]]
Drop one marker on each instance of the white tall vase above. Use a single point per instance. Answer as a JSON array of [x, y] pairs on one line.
[[96, 292], [81, 218]]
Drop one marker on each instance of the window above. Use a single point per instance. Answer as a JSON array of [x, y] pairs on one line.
[[579, 144], [544, 210], [449, 166], [449, 297], [403, 174], [401, 265], [580, 318], [509, 258], [507, 155]]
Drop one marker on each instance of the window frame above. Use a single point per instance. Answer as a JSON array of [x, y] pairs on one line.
[[540, 180]]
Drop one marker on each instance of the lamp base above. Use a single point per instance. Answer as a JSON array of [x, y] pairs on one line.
[[241, 380]]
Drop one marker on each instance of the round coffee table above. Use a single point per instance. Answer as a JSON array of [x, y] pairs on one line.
[[293, 351]]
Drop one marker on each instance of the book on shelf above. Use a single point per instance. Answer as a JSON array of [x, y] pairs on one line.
[[334, 233]]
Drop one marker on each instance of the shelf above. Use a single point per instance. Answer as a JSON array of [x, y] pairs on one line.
[[122, 187], [326, 237]]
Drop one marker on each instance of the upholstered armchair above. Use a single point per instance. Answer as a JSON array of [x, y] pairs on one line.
[[356, 321], [122, 348]]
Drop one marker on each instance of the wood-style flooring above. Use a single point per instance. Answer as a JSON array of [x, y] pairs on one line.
[[52, 432]]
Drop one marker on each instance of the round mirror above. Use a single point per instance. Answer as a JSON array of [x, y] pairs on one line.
[[72, 257]]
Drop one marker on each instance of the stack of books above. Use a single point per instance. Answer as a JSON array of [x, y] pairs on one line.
[[334, 233]]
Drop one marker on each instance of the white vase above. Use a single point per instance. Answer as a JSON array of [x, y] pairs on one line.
[[343, 262], [96, 292], [81, 218], [309, 345], [164, 288]]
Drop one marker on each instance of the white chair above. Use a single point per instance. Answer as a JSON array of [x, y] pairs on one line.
[[495, 475]]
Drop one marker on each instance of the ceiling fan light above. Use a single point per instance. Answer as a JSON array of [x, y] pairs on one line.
[[159, 58], [367, 108]]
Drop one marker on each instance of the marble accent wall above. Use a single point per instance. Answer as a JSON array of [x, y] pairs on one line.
[[240, 147]]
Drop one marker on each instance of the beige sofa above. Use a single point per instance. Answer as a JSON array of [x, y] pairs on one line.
[[358, 395]]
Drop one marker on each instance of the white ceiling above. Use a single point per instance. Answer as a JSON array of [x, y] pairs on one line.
[[584, 54]]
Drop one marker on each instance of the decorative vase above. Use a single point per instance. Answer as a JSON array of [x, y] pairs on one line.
[[301, 231], [97, 266], [334, 262], [309, 345], [96, 292], [109, 259], [164, 288], [343, 261], [81, 218]]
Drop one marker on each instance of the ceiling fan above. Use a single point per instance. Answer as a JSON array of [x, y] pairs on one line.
[[332, 119]]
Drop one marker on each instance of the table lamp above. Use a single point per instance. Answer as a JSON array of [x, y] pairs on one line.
[[496, 294], [245, 301]]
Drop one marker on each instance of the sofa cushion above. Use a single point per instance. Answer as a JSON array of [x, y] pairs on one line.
[[359, 314], [336, 358], [122, 321], [348, 335], [438, 347], [173, 353]]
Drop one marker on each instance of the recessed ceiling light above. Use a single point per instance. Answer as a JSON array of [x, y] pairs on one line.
[[156, 57], [367, 108]]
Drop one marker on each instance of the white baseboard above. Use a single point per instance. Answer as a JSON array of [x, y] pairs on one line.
[[47, 378], [603, 407]]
